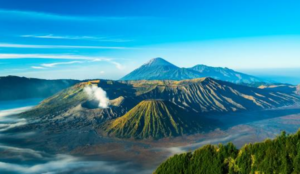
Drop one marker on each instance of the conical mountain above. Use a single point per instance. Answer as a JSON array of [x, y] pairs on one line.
[[156, 119], [159, 62], [160, 69]]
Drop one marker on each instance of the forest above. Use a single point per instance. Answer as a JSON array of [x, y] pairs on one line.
[[280, 155]]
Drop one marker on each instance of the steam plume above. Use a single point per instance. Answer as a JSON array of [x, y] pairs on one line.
[[98, 94]]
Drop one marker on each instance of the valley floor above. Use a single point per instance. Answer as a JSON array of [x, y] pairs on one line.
[[85, 151]]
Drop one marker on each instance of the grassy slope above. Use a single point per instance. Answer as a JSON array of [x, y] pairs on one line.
[[156, 119]]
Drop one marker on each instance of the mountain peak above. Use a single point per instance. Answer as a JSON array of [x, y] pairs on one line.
[[159, 62], [160, 69]]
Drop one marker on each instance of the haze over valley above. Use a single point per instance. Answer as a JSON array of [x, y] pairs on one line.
[[149, 87], [132, 125]]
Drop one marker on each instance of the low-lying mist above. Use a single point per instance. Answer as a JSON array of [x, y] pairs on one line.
[[20, 158]]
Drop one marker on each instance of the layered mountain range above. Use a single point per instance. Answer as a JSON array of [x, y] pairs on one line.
[[160, 69], [161, 106], [154, 109], [155, 69]]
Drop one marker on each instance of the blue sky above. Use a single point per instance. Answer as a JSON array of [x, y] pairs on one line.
[[107, 39]]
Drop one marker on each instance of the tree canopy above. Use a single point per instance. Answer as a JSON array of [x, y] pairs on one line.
[[280, 155]]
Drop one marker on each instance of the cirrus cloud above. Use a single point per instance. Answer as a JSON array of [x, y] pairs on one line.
[[61, 56], [100, 39], [12, 45], [50, 65]]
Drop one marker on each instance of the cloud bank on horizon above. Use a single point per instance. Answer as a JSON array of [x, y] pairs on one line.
[[101, 36]]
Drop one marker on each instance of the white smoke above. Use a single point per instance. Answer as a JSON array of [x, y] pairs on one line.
[[98, 94]]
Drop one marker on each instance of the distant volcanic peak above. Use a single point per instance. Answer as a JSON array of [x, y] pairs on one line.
[[159, 62], [155, 119], [155, 69], [160, 69]]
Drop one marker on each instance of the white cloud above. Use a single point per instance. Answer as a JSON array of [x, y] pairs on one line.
[[17, 14], [118, 65], [37, 67], [50, 65], [51, 36], [102, 72], [10, 45], [59, 56], [52, 56]]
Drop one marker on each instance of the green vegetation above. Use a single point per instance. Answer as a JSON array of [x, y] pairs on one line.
[[281, 155], [156, 119]]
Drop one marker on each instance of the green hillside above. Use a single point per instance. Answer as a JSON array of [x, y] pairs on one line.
[[281, 155], [156, 119]]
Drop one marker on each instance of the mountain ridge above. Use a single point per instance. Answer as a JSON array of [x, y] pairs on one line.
[[203, 95], [160, 69], [31, 87]]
